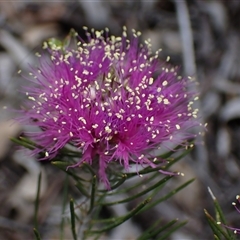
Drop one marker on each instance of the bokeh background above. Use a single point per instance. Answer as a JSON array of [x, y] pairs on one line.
[[202, 37]]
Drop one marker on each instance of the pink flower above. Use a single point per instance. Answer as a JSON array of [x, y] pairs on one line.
[[112, 99]]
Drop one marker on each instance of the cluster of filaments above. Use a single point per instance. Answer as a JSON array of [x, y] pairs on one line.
[[105, 92]]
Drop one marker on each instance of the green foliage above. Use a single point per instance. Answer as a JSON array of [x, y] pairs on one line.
[[36, 234], [73, 219], [217, 224], [142, 194]]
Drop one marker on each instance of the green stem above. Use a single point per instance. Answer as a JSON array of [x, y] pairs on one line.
[[169, 232], [82, 189], [124, 218], [120, 182], [140, 183], [217, 228], [167, 196], [89, 168], [222, 218], [36, 234], [148, 233], [73, 219], [164, 180]]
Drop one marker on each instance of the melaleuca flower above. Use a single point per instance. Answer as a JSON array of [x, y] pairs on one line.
[[112, 99]]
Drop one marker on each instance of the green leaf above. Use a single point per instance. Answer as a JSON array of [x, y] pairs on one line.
[[216, 238], [151, 231], [120, 182], [120, 220], [73, 227], [222, 218], [163, 181], [216, 228], [219, 217], [211, 222], [24, 142], [60, 164], [36, 234], [159, 168], [172, 230], [167, 196], [63, 166], [176, 159], [90, 169], [146, 180], [82, 189]]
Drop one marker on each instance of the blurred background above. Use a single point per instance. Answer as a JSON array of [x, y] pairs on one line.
[[202, 37]]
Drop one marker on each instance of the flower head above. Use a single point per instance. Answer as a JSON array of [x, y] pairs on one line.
[[111, 98]]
